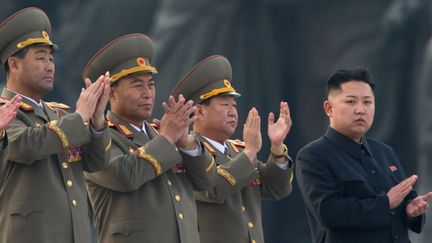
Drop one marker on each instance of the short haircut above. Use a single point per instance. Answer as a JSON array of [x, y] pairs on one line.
[[346, 75], [206, 102], [20, 54]]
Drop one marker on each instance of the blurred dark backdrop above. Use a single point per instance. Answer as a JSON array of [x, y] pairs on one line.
[[279, 50]]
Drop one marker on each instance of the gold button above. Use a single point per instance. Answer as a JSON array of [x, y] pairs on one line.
[[74, 202], [250, 225], [177, 198], [69, 183], [243, 209], [253, 241], [65, 165], [180, 215], [169, 183]]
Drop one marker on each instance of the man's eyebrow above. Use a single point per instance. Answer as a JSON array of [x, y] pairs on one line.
[[41, 51]]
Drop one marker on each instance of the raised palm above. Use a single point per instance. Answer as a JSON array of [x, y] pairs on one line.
[[277, 131], [8, 111]]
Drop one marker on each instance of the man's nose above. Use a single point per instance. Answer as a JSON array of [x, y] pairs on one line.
[[146, 92], [360, 109], [50, 67], [232, 111]]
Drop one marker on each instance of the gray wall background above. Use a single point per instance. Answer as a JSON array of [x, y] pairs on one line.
[[279, 50]]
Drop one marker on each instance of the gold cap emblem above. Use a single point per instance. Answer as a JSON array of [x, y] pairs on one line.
[[141, 61], [227, 83], [45, 35]]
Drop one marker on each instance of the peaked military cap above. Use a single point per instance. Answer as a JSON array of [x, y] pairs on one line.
[[29, 26], [123, 56], [209, 78]]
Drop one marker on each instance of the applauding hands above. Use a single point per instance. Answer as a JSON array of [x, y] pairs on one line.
[[174, 124], [93, 100], [277, 131]]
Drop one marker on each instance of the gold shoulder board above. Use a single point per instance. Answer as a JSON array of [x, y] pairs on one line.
[[155, 128], [56, 105], [237, 144]]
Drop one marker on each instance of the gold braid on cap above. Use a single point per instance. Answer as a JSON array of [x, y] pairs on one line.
[[142, 67], [128, 71], [214, 92], [45, 39]]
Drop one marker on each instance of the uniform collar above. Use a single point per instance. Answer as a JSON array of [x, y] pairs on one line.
[[124, 127], [142, 129], [26, 98], [347, 144], [27, 104], [130, 131], [220, 147]]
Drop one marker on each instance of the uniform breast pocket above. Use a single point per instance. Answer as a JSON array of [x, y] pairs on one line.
[[356, 188], [26, 221], [129, 231]]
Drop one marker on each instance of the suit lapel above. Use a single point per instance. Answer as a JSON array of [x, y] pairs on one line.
[[27, 105], [151, 131], [50, 113], [138, 138], [39, 112], [220, 158]]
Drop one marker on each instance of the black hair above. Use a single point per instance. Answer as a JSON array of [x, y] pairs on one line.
[[346, 75], [206, 102], [20, 54]]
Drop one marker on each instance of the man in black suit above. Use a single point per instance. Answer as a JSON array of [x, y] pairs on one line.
[[354, 187]]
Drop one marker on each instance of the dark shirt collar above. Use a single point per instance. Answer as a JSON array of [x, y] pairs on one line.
[[347, 144]]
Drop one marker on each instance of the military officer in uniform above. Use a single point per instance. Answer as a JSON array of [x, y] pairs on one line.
[[146, 193], [43, 197], [231, 211]]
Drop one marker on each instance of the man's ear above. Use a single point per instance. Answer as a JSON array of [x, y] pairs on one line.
[[199, 112], [328, 108], [113, 94], [13, 64]]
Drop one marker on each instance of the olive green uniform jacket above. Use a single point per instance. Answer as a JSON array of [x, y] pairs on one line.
[[146, 193], [4, 152], [231, 211], [43, 197]]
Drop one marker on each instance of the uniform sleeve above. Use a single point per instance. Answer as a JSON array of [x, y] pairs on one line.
[[322, 196], [97, 151], [201, 169], [4, 152], [28, 144], [230, 178], [128, 171], [415, 225], [276, 182], [4, 148]]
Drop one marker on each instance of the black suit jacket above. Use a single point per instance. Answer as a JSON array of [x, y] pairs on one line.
[[345, 184]]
